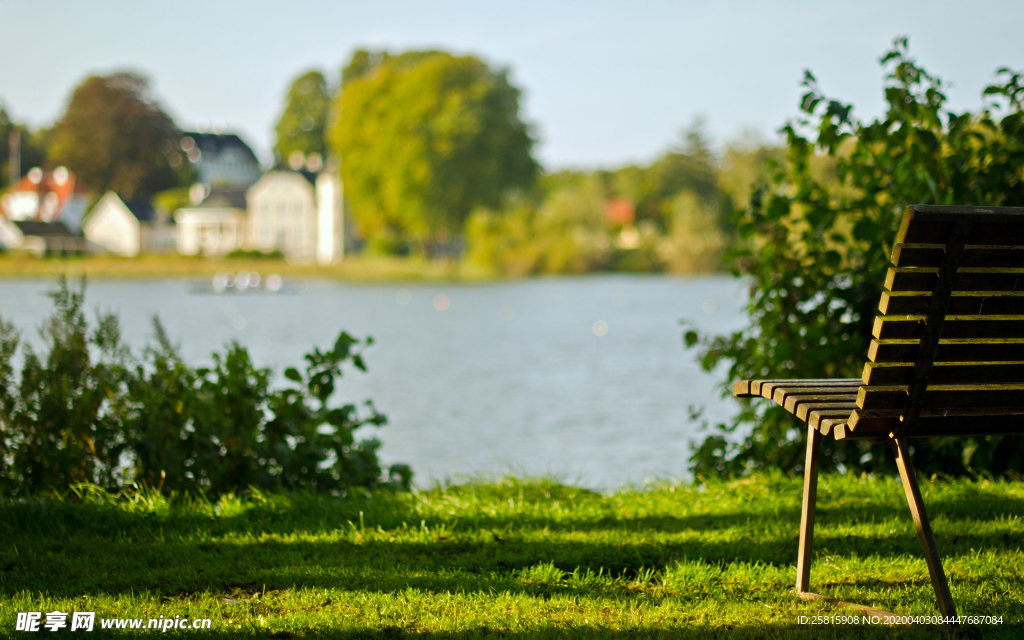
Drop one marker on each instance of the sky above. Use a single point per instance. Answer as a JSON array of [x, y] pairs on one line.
[[605, 83]]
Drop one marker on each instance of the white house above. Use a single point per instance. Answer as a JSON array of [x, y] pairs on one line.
[[128, 229], [47, 196], [214, 225], [299, 213]]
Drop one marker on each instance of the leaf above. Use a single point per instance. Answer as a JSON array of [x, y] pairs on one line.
[[293, 374], [690, 338]]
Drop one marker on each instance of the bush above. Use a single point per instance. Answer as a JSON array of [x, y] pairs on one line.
[[255, 254], [90, 412]]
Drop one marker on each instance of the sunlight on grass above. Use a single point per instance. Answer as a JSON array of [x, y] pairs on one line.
[[513, 557]]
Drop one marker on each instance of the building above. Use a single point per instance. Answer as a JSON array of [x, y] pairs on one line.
[[298, 213], [47, 196], [215, 224], [222, 160], [40, 238], [128, 228]]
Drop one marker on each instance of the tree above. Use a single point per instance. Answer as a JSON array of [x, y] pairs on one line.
[[303, 124], [817, 247], [424, 138], [115, 136], [32, 147]]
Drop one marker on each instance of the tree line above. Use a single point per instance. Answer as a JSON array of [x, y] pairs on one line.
[[435, 157]]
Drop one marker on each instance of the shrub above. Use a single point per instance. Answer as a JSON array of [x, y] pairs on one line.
[[88, 411]]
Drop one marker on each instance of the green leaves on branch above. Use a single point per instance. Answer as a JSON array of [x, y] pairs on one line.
[[302, 127], [815, 248], [89, 412], [115, 136], [424, 138]]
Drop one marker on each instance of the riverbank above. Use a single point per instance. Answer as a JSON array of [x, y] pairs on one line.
[[354, 268], [519, 559]]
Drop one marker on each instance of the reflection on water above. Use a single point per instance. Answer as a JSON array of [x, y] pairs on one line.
[[583, 378]]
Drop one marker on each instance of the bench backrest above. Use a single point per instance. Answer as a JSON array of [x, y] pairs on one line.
[[947, 356]]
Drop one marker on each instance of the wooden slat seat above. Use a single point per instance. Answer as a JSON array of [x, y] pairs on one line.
[[946, 359]]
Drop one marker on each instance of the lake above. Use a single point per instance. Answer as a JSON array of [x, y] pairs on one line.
[[583, 378]]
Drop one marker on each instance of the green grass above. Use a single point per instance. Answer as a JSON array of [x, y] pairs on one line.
[[355, 268], [516, 559]]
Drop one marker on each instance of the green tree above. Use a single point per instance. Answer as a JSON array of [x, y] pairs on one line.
[[115, 136], [32, 146], [817, 247], [303, 124], [424, 138]]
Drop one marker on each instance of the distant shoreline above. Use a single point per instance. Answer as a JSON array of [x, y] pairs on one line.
[[355, 268]]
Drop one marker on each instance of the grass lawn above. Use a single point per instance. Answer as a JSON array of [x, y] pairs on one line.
[[516, 559], [358, 268]]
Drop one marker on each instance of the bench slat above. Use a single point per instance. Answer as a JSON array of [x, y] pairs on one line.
[[925, 255], [929, 425], [823, 409], [915, 279], [992, 350], [927, 232], [960, 327], [960, 303], [893, 398], [945, 373], [793, 401], [757, 388]]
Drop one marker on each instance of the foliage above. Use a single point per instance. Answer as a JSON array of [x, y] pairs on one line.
[[563, 234], [89, 412], [170, 200], [817, 247], [678, 203], [63, 422], [425, 138], [32, 146], [517, 558], [689, 166], [695, 240], [255, 254], [302, 127], [115, 136]]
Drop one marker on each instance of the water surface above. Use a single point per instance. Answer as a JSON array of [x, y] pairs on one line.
[[584, 378]]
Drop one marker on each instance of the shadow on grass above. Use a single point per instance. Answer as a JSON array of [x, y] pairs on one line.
[[67, 550]]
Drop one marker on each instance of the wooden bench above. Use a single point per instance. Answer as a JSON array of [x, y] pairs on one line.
[[947, 358]]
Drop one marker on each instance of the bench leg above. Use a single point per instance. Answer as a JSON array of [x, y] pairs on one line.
[[803, 562], [924, 529]]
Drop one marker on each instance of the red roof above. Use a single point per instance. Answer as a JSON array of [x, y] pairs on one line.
[[620, 211], [59, 182]]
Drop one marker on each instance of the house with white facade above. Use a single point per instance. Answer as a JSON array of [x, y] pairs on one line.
[[215, 224], [128, 228], [47, 196], [298, 213]]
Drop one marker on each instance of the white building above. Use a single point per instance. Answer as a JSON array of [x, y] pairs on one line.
[[299, 213], [47, 196], [128, 229], [216, 223]]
